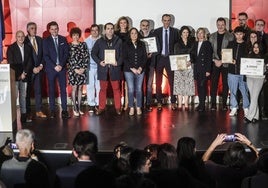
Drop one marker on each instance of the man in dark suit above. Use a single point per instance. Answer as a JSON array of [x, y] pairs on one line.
[[36, 43], [85, 147], [19, 57], [167, 37], [55, 49]]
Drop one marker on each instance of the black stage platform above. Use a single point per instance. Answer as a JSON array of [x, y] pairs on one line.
[[139, 131]]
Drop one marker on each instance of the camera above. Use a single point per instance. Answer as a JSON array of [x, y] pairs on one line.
[[229, 138], [13, 145]]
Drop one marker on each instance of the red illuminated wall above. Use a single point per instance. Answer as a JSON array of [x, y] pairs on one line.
[[255, 9]]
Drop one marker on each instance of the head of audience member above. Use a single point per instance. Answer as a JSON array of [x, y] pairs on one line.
[[109, 30], [85, 146], [167, 156], [166, 20], [144, 27], [95, 30], [221, 25], [239, 33], [31, 29], [260, 25], [235, 156], [185, 32], [25, 142], [263, 160], [186, 148], [201, 34], [122, 25], [242, 19], [53, 28], [134, 35], [20, 37], [139, 161], [118, 147]]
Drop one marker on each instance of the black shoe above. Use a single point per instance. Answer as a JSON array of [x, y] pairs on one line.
[[118, 112], [224, 108], [254, 120], [65, 114], [91, 109], [52, 114], [23, 118], [200, 108], [173, 106], [149, 108], [213, 107], [99, 111], [29, 118], [247, 120], [159, 106]]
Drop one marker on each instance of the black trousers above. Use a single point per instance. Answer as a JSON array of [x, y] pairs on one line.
[[201, 83], [215, 75], [162, 64]]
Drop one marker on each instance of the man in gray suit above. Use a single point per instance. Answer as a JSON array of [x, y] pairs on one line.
[[219, 40]]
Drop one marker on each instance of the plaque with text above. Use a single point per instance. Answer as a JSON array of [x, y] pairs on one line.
[[252, 67], [109, 57], [179, 62], [227, 55], [150, 44]]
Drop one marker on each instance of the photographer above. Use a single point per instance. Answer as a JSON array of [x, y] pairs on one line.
[[23, 169], [235, 165]]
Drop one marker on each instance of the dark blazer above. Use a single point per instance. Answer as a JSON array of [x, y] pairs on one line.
[[203, 60], [134, 57], [50, 53], [173, 38], [65, 177], [97, 54], [37, 58], [15, 60]]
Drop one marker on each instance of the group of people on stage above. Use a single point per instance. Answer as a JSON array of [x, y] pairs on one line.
[[130, 66]]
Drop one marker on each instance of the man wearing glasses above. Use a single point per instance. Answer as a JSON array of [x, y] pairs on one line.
[[243, 20]]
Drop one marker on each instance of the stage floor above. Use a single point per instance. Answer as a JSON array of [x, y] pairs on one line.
[[139, 131]]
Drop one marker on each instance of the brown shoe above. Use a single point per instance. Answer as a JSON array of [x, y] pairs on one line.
[[40, 114], [99, 111]]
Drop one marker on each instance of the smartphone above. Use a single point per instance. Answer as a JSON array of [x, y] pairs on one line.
[[230, 138], [13, 145]]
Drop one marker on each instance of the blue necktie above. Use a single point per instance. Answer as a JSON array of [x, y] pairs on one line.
[[166, 42]]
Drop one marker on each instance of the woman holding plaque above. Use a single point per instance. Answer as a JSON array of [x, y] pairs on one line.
[[202, 59], [134, 58], [77, 65], [254, 86], [184, 79]]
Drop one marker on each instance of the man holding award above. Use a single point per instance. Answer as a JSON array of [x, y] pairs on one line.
[[107, 53]]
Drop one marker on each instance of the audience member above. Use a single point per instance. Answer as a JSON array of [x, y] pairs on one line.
[[85, 147], [93, 84], [187, 158], [134, 58], [202, 59], [24, 169], [260, 180], [36, 43], [219, 40], [184, 79], [235, 80], [106, 71], [19, 57], [235, 167], [167, 37], [77, 68], [56, 52], [153, 150]]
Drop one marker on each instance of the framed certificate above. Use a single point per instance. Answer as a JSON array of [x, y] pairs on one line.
[[109, 57], [252, 67], [227, 55], [179, 62], [150, 44]]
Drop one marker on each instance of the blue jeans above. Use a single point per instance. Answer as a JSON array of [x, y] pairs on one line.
[[21, 93], [134, 84], [236, 82], [93, 88]]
